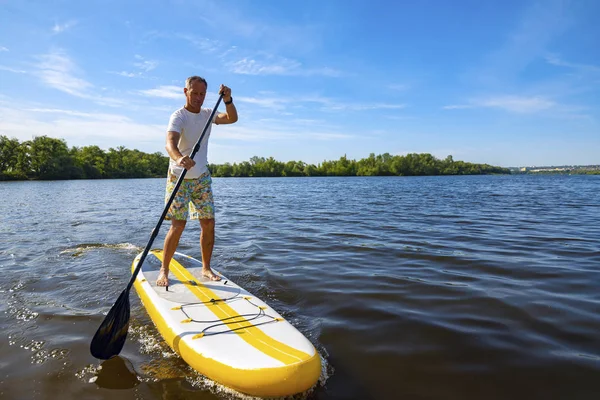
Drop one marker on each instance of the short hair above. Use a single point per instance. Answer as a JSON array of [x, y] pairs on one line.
[[192, 79]]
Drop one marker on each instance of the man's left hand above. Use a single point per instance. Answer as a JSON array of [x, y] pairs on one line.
[[226, 92]]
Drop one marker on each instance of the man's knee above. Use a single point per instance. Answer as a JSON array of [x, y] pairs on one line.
[[178, 225], [207, 224]]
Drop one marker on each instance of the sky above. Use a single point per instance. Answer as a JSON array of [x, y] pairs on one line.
[[507, 82]]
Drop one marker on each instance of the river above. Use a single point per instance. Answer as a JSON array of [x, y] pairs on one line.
[[455, 287]]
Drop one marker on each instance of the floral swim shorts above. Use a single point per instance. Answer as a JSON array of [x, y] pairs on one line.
[[194, 196]]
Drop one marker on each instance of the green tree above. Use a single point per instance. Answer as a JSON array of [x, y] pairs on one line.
[[50, 158], [92, 160], [10, 155]]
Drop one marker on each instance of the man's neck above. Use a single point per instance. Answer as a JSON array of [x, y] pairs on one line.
[[192, 109]]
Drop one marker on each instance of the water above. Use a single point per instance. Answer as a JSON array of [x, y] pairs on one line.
[[477, 287]]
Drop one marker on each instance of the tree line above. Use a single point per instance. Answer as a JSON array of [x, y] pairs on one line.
[[375, 165], [49, 158]]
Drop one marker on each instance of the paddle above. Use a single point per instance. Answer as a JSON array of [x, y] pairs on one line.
[[110, 336]]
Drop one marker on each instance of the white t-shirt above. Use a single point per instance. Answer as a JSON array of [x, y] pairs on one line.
[[190, 125]]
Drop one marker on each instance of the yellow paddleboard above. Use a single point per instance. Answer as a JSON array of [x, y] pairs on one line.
[[224, 332]]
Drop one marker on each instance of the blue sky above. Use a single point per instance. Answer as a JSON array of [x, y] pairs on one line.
[[509, 83]]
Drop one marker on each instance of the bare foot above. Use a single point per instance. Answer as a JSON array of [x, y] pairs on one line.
[[207, 273], [163, 278]]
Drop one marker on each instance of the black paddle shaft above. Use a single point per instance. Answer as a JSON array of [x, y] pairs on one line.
[[110, 336]]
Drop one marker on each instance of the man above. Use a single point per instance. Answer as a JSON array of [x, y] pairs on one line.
[[194, 198]]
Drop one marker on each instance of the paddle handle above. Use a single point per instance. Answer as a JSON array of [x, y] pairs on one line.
[[172, 197]]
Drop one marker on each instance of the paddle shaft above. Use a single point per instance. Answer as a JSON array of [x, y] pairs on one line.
[[171, 198]]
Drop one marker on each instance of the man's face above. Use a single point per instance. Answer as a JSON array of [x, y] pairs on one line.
[[196, 94]]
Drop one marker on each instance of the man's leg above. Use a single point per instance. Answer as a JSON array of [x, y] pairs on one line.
[[207, 243], [171, 243]]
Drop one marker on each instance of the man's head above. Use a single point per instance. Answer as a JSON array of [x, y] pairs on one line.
[[195, 92]]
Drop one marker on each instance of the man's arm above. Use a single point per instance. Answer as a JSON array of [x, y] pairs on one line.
[[230, 115], [173, 150]]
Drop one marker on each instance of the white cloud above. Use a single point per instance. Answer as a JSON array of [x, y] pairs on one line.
[[400, 87], [58, 28], [165, 91], [73, 113], [145, 65], [227, 52], [557, 61], [10, 69], [2, 48], [142, 65], [515, 104], [201, 43], [400, 117], [458, 107], [81, 128], [330, 104], [273, 103], [327, 104], [281, 66], [256, 132], [58, 71], [306, 121], [239, 61], [272, 33], [127, 74], [275, 65], [364, 107], [518, 104]]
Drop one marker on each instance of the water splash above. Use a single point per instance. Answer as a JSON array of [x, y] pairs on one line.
[[223, 392], [150, 341], [18, 286], [25, 314], [89, 373], [16, 309], [82, 248], [42, 355], [167, 364]]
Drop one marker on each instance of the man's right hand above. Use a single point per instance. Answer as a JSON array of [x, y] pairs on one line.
[[186, 162]]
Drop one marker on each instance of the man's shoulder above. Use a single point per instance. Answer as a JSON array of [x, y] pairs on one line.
[[179, 112], [176, 121]]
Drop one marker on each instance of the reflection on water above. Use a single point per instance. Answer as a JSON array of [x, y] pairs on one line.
[[116, 373]]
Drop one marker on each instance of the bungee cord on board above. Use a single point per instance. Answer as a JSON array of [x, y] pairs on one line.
[[236, 319]]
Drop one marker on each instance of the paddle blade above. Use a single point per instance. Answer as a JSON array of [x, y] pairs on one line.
[[110, 336]]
